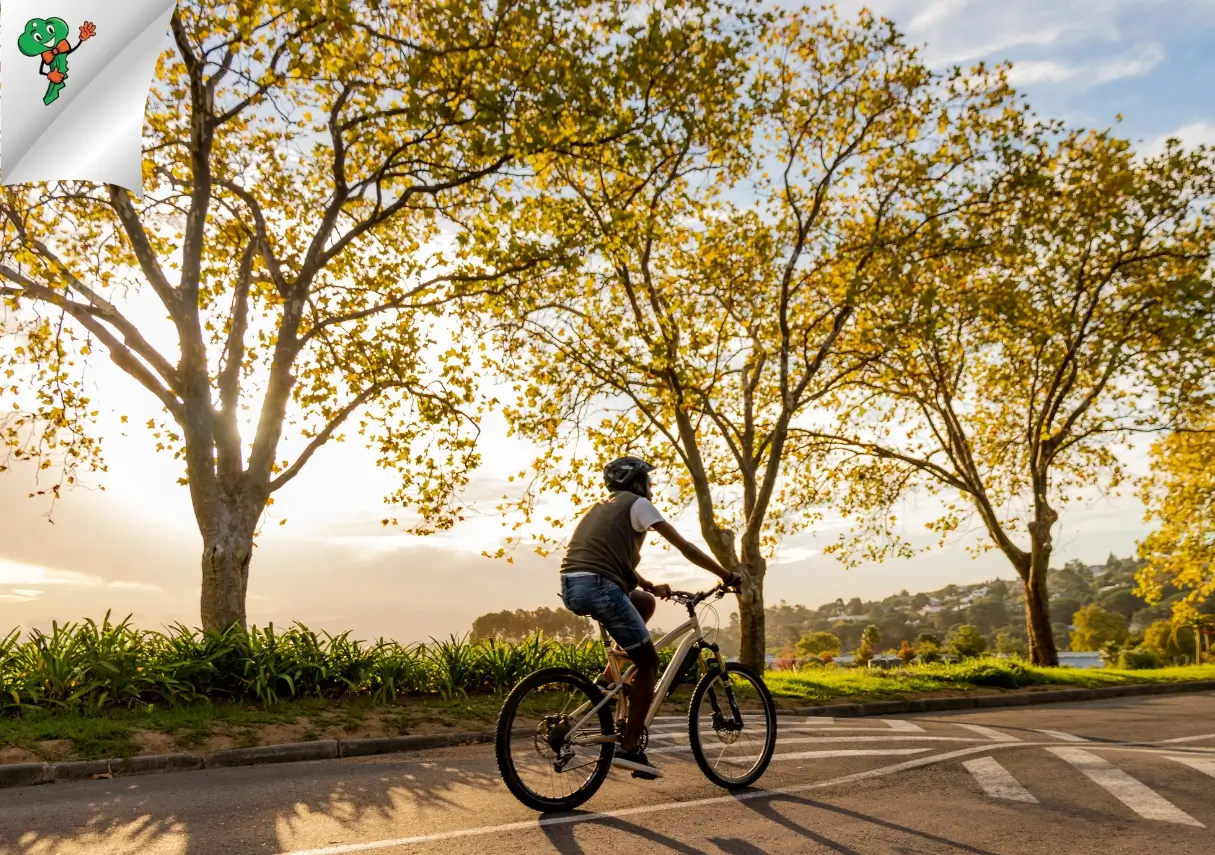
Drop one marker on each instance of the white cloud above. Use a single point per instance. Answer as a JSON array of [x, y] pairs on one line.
[[18, 573], [1041, 71], [1191, 135], [1133, 63]]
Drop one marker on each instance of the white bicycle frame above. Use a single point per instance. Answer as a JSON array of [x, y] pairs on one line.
[[690, 627]]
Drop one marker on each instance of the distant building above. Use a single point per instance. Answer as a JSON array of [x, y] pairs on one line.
[[931, 609], [885, 660]]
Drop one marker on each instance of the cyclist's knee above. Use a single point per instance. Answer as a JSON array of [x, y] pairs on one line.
[[644, 602]]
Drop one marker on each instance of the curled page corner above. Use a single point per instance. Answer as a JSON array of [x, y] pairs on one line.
[[75, 82]]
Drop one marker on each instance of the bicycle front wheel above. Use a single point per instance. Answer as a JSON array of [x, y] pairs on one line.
[[553, 756], [732, 726]]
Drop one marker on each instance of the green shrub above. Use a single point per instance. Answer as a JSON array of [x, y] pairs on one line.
[[1138, 659], [90, 667]]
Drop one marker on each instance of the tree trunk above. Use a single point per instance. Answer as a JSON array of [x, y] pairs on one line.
[[1042, 649], [227, 550], [753, 644]]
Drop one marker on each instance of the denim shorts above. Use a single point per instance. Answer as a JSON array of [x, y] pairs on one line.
[[606, 602]]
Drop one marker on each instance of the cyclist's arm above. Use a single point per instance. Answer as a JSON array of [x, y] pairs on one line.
[[691, 552]]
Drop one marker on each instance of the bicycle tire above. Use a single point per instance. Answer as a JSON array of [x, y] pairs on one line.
[[698, 749], [505, 727]]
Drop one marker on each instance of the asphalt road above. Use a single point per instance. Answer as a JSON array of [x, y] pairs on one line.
[[1135, 775]]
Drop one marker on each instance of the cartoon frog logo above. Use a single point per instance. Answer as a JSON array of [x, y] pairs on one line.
[[46, 38]]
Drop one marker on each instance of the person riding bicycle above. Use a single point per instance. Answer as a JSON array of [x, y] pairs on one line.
[[599, 578]]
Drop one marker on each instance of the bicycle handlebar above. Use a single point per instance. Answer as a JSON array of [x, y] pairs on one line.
[[688, 598]]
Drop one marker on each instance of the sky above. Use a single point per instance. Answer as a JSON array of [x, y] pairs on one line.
[[134, 548]]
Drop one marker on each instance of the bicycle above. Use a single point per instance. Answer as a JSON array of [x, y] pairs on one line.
[[575, 744]]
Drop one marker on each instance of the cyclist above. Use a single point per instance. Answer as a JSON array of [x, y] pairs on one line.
[[599, 578]]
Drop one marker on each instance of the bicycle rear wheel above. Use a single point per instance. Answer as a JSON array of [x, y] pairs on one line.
[[732, 726], [543, 762]]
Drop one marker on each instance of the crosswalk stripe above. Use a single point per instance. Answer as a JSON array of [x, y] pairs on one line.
[[990, 732], [1138, 797], [1178, 739], [997, 781], [1061, 736], [1202, 764], [905, 726]]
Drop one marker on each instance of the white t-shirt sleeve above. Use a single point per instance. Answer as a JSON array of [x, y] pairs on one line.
[[643, 515]]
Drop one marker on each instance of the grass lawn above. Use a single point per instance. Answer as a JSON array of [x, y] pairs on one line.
[[37, 735], [825, 685]]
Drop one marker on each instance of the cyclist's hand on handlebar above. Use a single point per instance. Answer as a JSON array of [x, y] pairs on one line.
[[663, 591], [733, 582]]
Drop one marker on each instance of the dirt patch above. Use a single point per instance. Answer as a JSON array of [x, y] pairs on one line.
[[18, 755], [53, 750], [150, 742]]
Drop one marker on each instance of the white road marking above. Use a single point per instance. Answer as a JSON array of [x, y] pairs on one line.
[[1061, 736], [848, 752], [997, 781], [643, 810], [780, 731], [803, 740], [990, 732], [1178, 739], [1135, 795], [905, 726], [1202, 764]]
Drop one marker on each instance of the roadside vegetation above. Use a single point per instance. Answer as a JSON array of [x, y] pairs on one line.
[[106, 689]]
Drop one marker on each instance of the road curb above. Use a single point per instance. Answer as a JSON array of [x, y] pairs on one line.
[[29, 774], [1049, 696], [394, 744]]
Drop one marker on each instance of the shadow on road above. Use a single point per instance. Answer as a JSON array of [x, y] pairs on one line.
[[244, 810], [562, 837], [767, 808]]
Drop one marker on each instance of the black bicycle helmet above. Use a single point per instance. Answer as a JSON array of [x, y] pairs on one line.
[[628, 473]]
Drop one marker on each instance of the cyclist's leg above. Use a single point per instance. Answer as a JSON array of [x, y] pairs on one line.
[[641, 692], [607, 602], [645, 603]]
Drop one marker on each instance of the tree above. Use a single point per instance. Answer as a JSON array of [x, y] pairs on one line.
[[1096, 627], [906, 652], [1008, 643], [1121, 600], [966, 641], [871, 638], [817, 643], [301, 160], [558, 623], [1169, 640], [1062, 609], [1011, 372], [727, 252], [1180, 500], [987, 615]]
